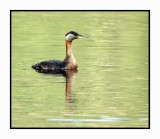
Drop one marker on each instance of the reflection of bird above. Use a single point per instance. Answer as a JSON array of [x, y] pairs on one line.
[[69, 63], [70, 76]]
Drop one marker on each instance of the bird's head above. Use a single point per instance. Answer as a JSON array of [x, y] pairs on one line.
[[72, 35]]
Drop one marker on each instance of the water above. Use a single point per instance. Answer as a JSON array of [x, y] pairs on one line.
[[110, 88]]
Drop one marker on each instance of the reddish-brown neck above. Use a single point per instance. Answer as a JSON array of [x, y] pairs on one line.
[[69, 59], [68, 48]]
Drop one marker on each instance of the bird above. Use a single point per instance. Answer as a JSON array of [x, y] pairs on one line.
[[69, 62]]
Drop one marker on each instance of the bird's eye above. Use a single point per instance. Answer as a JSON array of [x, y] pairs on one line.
[[75, 37]]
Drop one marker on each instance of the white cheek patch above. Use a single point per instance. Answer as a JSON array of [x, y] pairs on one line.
[[69, 37]]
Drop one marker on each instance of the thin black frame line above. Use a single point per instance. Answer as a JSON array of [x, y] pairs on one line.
[[149, 99], [72, 10], [80, 127], [10, 68]]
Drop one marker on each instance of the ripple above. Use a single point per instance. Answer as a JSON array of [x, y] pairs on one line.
[[107, 119]]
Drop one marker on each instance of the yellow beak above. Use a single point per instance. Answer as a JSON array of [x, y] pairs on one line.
[[79, 37]]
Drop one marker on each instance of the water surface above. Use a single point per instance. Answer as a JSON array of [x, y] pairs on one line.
[[110, 88]]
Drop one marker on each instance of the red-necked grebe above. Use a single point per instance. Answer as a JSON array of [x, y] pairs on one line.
[[69, 63]]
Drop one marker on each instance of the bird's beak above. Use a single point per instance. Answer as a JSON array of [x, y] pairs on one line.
[[80, 36]]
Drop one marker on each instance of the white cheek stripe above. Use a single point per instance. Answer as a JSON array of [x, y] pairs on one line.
[[67, 37], [70, 37]]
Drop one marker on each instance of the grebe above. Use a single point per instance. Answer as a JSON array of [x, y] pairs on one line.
[[69, 63]]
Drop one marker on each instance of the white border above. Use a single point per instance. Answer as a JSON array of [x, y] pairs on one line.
[[5, 6]]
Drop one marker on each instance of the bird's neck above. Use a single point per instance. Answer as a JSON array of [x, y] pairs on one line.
[[69, 56], [68, 48]]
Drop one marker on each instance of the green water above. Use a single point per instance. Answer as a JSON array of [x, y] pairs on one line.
[[112, 78]]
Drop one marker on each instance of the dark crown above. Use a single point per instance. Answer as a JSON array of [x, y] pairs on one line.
[[72, 32]]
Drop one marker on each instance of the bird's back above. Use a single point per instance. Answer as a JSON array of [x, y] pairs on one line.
[[50, 65]]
